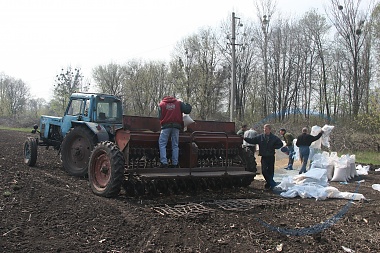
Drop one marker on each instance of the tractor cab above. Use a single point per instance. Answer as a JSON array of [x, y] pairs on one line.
[[103, 109]]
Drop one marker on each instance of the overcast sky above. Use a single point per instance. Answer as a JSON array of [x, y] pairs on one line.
[[40, 37]]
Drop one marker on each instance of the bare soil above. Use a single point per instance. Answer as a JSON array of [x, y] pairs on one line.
[[43, 209]]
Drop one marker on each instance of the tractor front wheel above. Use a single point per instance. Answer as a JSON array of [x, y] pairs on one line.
[[30, 151], [106, 169], [76, 150]]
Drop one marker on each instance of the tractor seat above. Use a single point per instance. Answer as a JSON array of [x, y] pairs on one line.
[[102, 116]]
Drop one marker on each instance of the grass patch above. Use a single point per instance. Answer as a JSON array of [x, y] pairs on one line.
[[24, 130], [367, 157]]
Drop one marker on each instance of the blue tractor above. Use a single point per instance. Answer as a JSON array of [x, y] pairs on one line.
[[114, 150], [89, 118]]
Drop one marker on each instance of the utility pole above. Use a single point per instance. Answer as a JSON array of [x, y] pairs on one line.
[[233, 83], [265, 28]]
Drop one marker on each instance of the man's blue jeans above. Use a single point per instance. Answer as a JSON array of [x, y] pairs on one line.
[[267, 169], [291, 157], [163, 141], [304, 155]]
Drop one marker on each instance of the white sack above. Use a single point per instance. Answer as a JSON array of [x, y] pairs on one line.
[[312, 152], [286, 183], [349, 195], [187, 120], [296, 150], [360, 170], [348, 168], [317, 161], [313, 184], [315, 176], [334, 156], [376, 187], [306, 191], [323, 161], [330, 171], [327, 164], [333, 192], [325, 139], [320, 193], [340, 170], [315, 130], [351, 162]]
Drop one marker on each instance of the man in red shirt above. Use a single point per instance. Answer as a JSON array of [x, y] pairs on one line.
[[170, 114]]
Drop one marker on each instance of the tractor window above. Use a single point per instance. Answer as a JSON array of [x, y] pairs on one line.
[[86, 107], [108, 110], [75, 107]]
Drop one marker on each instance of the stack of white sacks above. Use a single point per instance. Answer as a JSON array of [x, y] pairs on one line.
[[314, 183], [325, 167], [340, 169]]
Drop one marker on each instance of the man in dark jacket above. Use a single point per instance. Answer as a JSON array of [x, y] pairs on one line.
[[303, 142], [268, 143], [170, 114]]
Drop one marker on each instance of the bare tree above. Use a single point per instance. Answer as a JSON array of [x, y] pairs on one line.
[[182, 70], [3, 85], [349, 23], [375, 39], [316, 31], [14, 94], [66, 83], [110, 78], [37, 107], [199, 74], [144, 87]]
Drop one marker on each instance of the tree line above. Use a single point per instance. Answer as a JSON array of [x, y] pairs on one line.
[[286, 68]]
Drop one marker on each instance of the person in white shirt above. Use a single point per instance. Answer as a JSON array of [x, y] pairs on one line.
[[249, 150]]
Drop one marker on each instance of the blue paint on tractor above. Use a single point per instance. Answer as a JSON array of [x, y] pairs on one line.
[[101, 113]]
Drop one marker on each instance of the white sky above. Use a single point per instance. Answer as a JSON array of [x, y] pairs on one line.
[[40, 37]]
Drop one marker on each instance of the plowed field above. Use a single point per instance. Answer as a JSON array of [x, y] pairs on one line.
[[43, 209]]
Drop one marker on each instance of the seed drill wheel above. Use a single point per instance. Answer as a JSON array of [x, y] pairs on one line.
[[76, 150], [106, 169], [30, 151]]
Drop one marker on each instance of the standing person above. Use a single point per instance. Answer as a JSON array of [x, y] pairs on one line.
[[268, 143], [249, 150], [303, 142], [288, 138], [242, 130], [170, 114]]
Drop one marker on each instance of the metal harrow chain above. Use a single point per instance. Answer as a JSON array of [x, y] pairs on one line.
[[191, 210], [247, 204]]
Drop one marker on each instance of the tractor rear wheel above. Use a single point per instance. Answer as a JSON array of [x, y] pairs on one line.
[[76, 150], [106, 169], [30, 151]]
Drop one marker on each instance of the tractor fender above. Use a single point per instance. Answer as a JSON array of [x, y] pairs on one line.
[[97, 129]]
